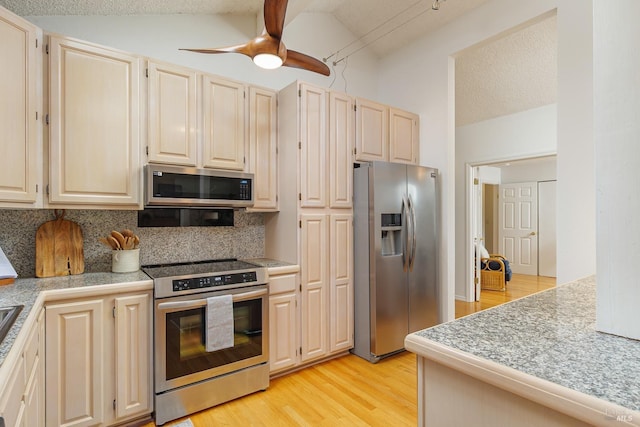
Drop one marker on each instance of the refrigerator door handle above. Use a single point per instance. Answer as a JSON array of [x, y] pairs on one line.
[[412, 236], [405, 234]]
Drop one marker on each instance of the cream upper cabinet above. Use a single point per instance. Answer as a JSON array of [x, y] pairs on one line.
[[263, 148], [372, 131], [94, 130], [403, 136], [20, 104], [224, 124], [172, 96], [98, 360], [341, 135], [341, 282], [386, 133], [313, 146]]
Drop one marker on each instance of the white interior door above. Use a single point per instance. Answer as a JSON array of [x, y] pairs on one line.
[[519, 226], [547, 228]]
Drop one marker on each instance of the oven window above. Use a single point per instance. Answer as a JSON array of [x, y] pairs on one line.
[[186, 339]]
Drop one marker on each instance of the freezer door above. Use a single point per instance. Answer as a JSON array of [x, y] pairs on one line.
[[423, 298], [388, 281]]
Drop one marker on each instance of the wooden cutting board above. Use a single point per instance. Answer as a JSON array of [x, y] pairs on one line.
[[59, 250]]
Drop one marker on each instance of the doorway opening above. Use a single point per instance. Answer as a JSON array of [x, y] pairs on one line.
[[511, 212]]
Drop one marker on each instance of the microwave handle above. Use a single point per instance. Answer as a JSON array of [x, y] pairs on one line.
[[203, 302]]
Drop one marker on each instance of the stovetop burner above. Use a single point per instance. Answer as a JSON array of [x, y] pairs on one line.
[[196, 268]]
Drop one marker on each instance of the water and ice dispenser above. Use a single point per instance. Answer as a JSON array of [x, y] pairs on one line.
[[391, 229]]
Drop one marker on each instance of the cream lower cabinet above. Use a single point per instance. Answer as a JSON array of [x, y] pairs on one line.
[[98, 360], [340, 282], [22, 394], [94, 126], [284, 331], [20, 111], [314, 235]]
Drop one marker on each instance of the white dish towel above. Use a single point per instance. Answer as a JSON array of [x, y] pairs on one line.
[[219, 323]]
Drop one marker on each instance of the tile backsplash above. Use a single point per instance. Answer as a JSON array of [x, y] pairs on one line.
[[157, 244]]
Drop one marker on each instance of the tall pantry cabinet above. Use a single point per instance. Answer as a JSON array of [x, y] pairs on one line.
[[314, 226]]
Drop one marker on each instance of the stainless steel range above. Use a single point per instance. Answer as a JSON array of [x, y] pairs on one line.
[[190, 377]]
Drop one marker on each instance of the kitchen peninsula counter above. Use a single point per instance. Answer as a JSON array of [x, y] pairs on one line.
[[531, 361]]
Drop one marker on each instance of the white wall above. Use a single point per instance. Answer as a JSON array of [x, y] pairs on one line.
[[490, 174], [576, 173], [538, 170], [617, 132], [160, 37], [424, 72]]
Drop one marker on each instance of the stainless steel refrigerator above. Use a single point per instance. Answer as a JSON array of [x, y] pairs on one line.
[[395, 255]]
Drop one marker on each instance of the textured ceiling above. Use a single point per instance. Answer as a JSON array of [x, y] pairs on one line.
[[512, 74], [385, 25]]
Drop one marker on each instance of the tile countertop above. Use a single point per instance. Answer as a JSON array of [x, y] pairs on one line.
[[26, 292], [550, 336]]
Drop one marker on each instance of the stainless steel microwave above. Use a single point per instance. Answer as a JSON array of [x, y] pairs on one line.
[[186, 186]]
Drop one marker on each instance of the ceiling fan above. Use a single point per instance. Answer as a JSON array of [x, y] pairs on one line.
[[267, 50]]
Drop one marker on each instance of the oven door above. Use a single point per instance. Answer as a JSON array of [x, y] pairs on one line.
[[180, 330]]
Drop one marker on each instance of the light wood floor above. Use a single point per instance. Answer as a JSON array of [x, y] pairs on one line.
[[519, 286], [348, 391]]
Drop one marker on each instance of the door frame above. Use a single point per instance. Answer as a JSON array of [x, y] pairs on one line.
[[471, 205]]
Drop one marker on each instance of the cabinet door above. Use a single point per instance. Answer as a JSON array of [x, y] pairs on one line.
[[341, 291], [34, 397], [34, 362], [74, 363], [313, 270], [94, 135], [224, 112], [18, 109], [133, 355], [283, 331], [313, 147], [263, 160], [11, 392], [173, 109], [372, 131], [403, 136], [340, 143]]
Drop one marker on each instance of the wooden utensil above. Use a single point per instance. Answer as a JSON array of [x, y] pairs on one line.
[[59, 248]]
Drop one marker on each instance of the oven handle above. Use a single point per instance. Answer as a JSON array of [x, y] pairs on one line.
[[202, 302]]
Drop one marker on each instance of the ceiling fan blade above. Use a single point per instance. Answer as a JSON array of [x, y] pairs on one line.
[[306, 62], [274, 13], [241, 48]]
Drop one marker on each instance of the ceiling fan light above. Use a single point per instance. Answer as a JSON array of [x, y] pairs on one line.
[[268, 61]]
